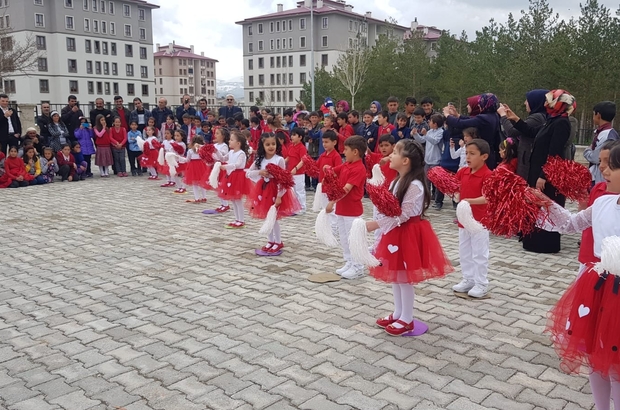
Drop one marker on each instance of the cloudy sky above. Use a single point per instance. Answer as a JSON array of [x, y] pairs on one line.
[[210, 24]]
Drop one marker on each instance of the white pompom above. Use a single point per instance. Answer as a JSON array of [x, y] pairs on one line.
[[270, 220], [323, 230], [610, 256], [466, 218], [140, 143], [215, 175], [318, 193], [358, 244], [160, 157], [377, 176], [171, 160]]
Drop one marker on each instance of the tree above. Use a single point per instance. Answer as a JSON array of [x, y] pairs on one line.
[[17, 57], [325, 85], [351, 69]]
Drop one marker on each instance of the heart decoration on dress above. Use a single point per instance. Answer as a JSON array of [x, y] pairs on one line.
[[229, 184], [567, 324], [392, 248], [583, 310], [260, 197]]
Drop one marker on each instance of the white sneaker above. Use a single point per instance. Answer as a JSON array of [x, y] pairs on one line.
[[345, 268], [478, 291], [354, 272], [463, 286]]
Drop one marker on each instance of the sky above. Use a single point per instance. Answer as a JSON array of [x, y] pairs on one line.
[[210, 26]]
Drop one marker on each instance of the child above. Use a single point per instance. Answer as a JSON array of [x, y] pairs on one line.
[[233, 185], [33, 166], [351, 175], [295, 164], [432, 152], [604, 113], [205, 132], [266, 191], [84, 135], [244, 124], [150, 123], [82, 167], [314, 145], [468, 135], [151, 152], [474, 247], [384, 126], [118, 139], [290, 124], [188, 127], [103, 157], [427, 106], [331, 158], [179, 140], [508, 154], [15, 169], [222, 140], [221, 121], [5, 180], [369, 132], [196, 172], [386, 147], [197, 124], [164, 169], [403, 130], [419, 255], [49, 165], [67, 168], [281, 136], [170, 124], [344, 130], [133, 149], [419, 120]]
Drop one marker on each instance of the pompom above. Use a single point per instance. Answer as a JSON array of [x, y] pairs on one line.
[[570, 178], [610, 256], [270, 221], [206, 153], [466, 218], [323, 230], [358, 244], [316, 203], [377, 176], [160, 157], [370, 161], [214, 176], [282, 177], [511, 206], [171, 160], [384, 200], [311, 167], [178, 148], [331, 185], [140, 143], [444, 180]]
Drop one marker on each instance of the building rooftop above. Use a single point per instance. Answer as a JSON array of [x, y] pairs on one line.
[[143, 3], [175, 50]]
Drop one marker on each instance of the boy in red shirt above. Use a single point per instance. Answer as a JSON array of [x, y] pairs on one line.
[[351, 175], [329, 157], [474, 247], [384, 126], [344, 131], [296, 151]]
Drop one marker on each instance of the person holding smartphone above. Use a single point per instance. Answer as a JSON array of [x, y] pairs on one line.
[[186, 108], [10, 126]]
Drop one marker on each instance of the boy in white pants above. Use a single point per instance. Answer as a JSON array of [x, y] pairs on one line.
[[294, 163]]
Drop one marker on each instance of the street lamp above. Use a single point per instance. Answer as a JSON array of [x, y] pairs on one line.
[[312, 50]]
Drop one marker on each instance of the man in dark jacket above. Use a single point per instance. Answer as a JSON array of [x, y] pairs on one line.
[[71, 114], [43, 122], [101, 110], [186, 108], [161, 112], [230, 109], [10, 126], [140, 115]]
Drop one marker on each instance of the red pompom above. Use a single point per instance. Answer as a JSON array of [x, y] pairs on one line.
[[570, 178], [511, 205], [282, 177], [331, 185], [206, 153], [312, 168], [384, 200], [370, 161], [444, 180]]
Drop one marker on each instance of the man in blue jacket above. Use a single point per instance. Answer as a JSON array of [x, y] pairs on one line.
[[230, 109], [186, 108]]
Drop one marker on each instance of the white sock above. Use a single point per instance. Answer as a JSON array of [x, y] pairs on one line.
[[224, 202], [407, 295], [180, 182], [197, 195], [277, 233], [169, 178], [601, 390], [102, 170], [238, 208], [398, 301]]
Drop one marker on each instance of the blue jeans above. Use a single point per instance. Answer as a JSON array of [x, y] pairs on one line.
[[39, 180]]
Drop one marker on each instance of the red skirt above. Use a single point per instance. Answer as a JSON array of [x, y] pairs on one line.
[[410, 253], [234, 186], [573, 321], [196, 173], [163, 169], [605, 358], [264, 194]]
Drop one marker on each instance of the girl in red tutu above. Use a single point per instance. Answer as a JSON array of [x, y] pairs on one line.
[[267, 192], [180, 147], [163, 168], [196, 172], [150, 152], [408, 249], [222, 139], [233, 185]]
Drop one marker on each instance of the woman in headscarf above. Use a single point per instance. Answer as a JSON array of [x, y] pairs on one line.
[[535, 107], [375, 107], [549, 139], [342, 106], [486, 122], [59, 134]]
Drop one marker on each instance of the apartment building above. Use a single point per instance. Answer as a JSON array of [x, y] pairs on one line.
[[89, 48], [277, 47], [180, 71]]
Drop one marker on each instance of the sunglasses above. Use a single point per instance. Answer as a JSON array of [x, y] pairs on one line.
[[229, 100]]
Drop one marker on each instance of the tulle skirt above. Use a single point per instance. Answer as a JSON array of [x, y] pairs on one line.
[[264, 194], [196, 173], [410, 253], [149, 160], [234, 186]]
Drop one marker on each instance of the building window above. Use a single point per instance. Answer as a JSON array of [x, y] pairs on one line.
[[277, 26], [113, 28], [260, 45], [95, 26], [89, 67], [290, 96], [97, 47], [251, 96], [115, 86], [128, 50], [88, 46], [273, 96], [70, 44], [126, 10], [290, 25], [272, 62], [103, 6], [278, 61], [145, 89], [6, 44], [144, 71], [260, 28], [302, 78], [279, 93], [325, 21], [104, 47], [250, 64], [69, 23], [290, 78], [9, 86], [283, 44], [433, 46], [39, 20], [106, 68], [261, 79], [98, 67], [99, 87], [85, 5], [91, 87], [113, 49], [131, 89], [324, 60], [302, 42], [73, 87], [42, 63], [251, 81], [278, 44], [272, 79], [283, 61], [86, 24], [324, 41], [250, 47], [279, 79], [114, 69], [261, 95], [271, 27], [104, 27], [290, 42], [142, 34], [143, 53], [111, 8], [250, 30], [271, 44], [290, 61], [283, 25], [261, 63], [44, 86], [106, 86], [127, 30], [141, 15], [95, 5], [302, 24], [41, 45], [129, 70], [302, 60], [69, 4]]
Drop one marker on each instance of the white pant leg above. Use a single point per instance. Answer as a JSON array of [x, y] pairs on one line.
[[377, 232], [344, 228], [324, 202], [300, 190], [466, 255], [480, 257]]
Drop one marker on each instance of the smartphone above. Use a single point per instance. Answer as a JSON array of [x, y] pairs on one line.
[[187, 101], [451, 104]]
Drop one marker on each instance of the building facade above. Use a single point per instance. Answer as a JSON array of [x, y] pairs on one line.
[[88, 48], [179, 71], [277, 47]]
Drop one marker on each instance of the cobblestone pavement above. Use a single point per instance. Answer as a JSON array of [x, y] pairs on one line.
[[116, 294]]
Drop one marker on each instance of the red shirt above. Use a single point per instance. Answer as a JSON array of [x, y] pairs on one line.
[[387, 172], [353, 173], [284, 151], [510, 165], [295, 153], [344, 133], [471, 187], [255, 133], [328, 158], [104, 140], [121, 115], [118, 137], [586, 249], [383, 129]]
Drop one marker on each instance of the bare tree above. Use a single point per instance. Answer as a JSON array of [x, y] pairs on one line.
[[351, 68], [16, 57]]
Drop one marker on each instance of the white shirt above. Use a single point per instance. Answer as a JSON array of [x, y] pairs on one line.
[[235, 160], [11, 129]]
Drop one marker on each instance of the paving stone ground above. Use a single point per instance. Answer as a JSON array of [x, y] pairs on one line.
[[116, 294]]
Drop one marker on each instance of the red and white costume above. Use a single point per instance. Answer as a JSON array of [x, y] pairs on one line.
[[150, 152], [233, 184], [266, 190], [196, 171]]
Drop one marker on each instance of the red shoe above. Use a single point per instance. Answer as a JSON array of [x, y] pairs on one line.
[[385, 321], [267, 247], [180, 191], [277, 247], [203, 200], [156, 178], [167, 184], [222, 209], [395, 331]]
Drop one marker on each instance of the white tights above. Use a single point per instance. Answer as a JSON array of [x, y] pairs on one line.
[[276, 234], [237, 206], [103, 170], [152, 171], [604, 390], [404, 295], [179, 180], [199, 192]]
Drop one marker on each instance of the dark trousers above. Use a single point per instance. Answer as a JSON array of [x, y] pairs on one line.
[[66, 171], [119, 159], [40, 180], [87, 158], [7, 142], [133, 160], [18, 184]]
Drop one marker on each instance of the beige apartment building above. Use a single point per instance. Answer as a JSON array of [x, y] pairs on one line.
[[179, 71]]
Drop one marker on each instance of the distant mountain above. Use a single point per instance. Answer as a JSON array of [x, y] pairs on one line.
[[233, 86]]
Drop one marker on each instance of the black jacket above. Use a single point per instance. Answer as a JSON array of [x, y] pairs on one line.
[[4, 125], [71, 119], [109, 119]]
